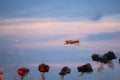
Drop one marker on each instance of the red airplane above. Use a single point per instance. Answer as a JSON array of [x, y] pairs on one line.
[[72, 42]]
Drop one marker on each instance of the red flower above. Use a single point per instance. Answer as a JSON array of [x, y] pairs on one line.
[[44, 68], [1, 75], [23, 71], [47, 68]]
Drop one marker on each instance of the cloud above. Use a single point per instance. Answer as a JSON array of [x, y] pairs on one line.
[[48, 34], [97, 16], [103, 45], [110, 18], [53, 9], [85, 27]]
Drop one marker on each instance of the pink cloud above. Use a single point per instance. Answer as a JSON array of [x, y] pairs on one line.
[[71, 30], [50, 28]]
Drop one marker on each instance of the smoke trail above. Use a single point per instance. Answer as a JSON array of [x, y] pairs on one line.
[[98, 48], [93, 47]]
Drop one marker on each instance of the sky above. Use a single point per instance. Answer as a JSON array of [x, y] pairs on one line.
[[34, 32]]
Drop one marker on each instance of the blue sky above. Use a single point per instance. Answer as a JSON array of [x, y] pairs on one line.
[[58, 9], [33, 32]]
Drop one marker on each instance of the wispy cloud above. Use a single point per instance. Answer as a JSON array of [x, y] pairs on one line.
[[97, 17], [111, 18], [33, 33]]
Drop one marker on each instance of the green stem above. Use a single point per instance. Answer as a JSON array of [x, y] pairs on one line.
[[62, 77], [42, 76], [22, 78]]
